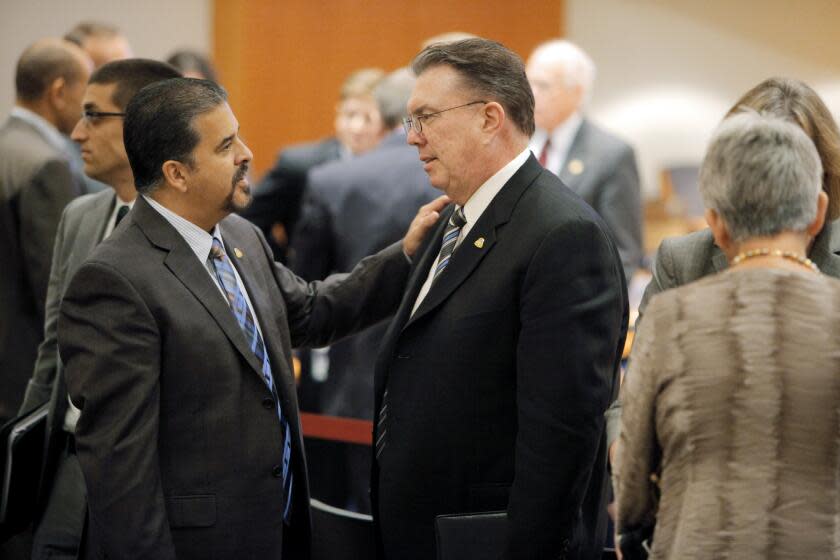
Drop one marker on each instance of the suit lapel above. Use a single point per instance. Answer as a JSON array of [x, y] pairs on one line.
[[470, 252], [182, 262], [572, 173], [92, 228]]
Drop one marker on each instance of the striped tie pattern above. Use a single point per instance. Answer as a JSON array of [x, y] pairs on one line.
[[380, 425], [227, 278], [450, 238]]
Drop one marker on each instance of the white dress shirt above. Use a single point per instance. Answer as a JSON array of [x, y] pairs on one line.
[[201, 242], [561, 142], [474, 208]]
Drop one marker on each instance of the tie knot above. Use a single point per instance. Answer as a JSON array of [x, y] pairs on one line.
[[458, 219], [217, 250]]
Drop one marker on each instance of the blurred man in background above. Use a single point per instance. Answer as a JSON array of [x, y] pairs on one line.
[[358, 128], [351, 209], [101, 41], [595, 164], [36, 182]]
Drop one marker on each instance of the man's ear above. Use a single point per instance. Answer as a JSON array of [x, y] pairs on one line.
[[719, 230], [176, 173], [494, 117], [57, 92]]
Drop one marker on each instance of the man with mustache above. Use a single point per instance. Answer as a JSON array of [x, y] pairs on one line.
[[176, 337]]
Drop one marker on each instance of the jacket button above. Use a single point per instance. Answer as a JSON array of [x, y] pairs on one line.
[[268, 403], [277, 471]]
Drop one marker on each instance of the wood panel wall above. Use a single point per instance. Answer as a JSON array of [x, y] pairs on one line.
[[283, 61]]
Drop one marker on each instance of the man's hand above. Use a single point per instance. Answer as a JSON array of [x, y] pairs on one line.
[[426, 217]]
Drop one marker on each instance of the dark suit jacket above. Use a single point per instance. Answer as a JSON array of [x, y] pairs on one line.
[[609, 182], [80, 230], [278, 196], [498, 384], [178, 439], [352, 209], [36, 183]]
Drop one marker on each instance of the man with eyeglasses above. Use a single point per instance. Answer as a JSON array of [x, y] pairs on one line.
[[36, 183], [84, 224], [492, 382]]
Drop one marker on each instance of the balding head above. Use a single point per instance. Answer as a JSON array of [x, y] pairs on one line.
[[102, 42], [50, 80], [46, 61], [561, 75]]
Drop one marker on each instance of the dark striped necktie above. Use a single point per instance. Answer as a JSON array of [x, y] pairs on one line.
[[450, 239], [239, 306]]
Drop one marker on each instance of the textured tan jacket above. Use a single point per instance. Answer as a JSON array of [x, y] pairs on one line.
[[732, 398]]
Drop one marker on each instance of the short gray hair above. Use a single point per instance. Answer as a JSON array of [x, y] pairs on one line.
[[392, 94], [762, 175]]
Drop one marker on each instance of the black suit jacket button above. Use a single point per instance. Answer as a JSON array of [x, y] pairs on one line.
[[277, 471], [268, 403]]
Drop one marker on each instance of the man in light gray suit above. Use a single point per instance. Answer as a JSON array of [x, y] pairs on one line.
[[36, 183], [84, 224], [598, 166]]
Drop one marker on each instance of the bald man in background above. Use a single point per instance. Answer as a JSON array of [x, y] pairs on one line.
[[37, 180]]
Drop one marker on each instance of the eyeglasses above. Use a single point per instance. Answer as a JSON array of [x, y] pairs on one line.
[[416, 121], [92, 117]]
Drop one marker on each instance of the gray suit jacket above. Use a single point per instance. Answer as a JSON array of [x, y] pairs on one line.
[[80, 230], [179, 439], [680, 260], [36, 183], [607, 179]]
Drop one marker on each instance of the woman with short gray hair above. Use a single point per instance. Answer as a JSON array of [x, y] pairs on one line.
[[730, 418]]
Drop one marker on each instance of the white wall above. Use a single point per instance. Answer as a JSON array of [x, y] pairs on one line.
[[668, 71], [154, 27]]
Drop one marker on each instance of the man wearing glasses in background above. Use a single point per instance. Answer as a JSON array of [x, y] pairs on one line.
[[84, 224], [492, 382]]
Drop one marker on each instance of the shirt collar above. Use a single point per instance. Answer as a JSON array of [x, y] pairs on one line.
[[199, 240], [485, 194], [561, 138], [43, 126]]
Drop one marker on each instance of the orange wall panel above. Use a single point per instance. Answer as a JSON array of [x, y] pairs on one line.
[[283, 61]]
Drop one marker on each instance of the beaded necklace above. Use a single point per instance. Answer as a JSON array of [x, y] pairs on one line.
[[765, 252]]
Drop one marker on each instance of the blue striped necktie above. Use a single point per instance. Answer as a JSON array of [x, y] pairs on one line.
[[450, 238], [236, 299]]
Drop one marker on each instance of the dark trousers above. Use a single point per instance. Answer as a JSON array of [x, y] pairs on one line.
[[58, 532]]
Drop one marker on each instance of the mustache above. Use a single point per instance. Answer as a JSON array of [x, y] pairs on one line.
[[240, 173]]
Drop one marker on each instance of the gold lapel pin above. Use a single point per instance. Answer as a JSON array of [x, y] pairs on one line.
[[575, 167], [479, 242], [239, 254]]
